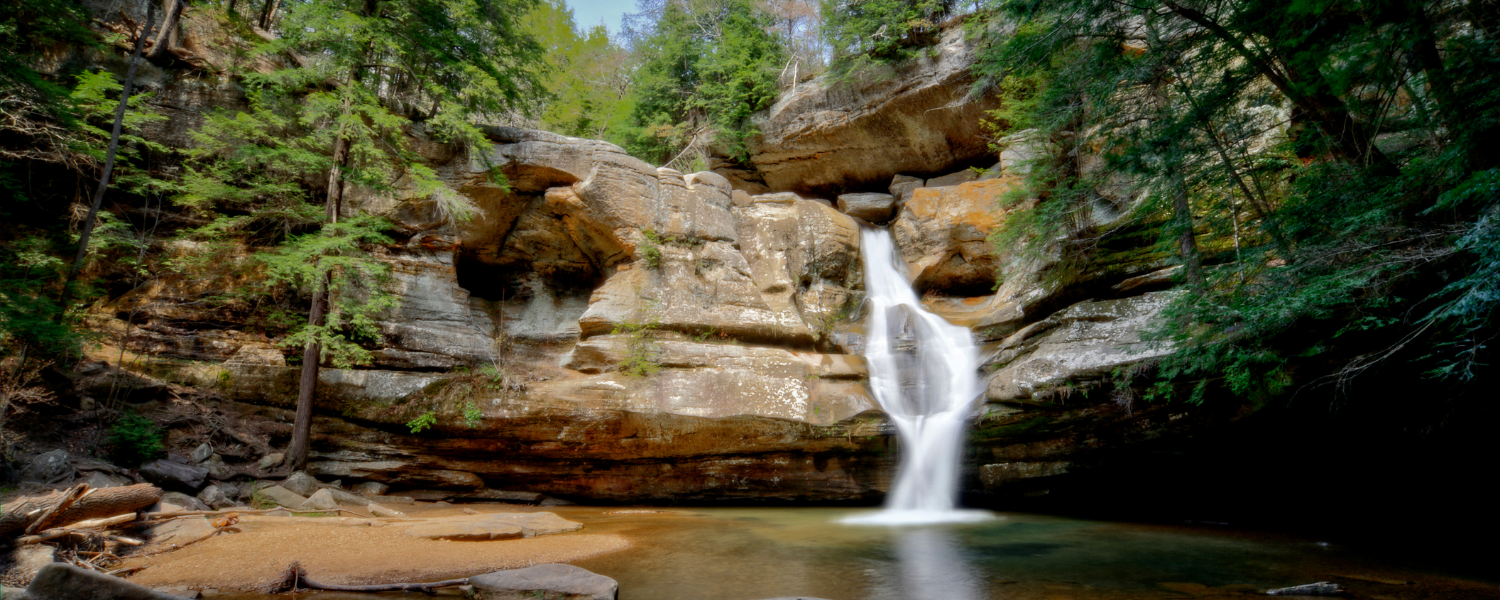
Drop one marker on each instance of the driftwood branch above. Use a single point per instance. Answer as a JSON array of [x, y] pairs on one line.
[[295, 578], [78, 528], [197, 513]]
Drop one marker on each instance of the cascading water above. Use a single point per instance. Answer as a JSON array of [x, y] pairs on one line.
[[924, 373]]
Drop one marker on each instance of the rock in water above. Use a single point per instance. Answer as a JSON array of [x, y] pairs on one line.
[[301, 483], [548, 581], [1321, 588], [175, 475], [58, 581]]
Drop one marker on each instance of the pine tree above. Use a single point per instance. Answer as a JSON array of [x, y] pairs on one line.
[[375, 73]]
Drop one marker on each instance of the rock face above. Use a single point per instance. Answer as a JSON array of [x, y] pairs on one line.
[[1082, 344], [921, 119], [943, 236], [604, 329]]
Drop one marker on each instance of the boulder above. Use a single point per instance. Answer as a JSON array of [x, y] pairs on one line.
[[174, 475], [345, 498], [371, 489], [49, 467], [395, 499], [381, 511], [185, 501], [98, 479], [492, 526], [320, 500], [270, 461], [465, 531], [300, 483], [547, 581], [215, 497], [59, 581], [202, 452], [902, 186], [180, 531], [875, 208], [282, 496], [952, 179]]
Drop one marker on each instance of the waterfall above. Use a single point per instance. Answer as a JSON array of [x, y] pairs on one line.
[[924, 373]]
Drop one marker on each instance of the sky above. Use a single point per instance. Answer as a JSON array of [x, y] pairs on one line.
[[588, 13]]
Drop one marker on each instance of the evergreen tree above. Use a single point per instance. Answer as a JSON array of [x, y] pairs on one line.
[[706, 67], [1314, 232], [375, 73], [880, 30]]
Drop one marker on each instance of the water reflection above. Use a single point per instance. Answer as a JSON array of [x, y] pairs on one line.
[[931, 562]]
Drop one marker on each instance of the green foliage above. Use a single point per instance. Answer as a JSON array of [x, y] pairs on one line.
[[1301, 244], [642, 355], [472, 415], [651, 248], [423, 422], [587, 78], [135, 439], [336, 256], [705, 67], [882, 31]]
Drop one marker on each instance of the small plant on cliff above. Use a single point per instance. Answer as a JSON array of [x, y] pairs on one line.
[[472, 415], [651, 249], [423, 422], [641, 353]]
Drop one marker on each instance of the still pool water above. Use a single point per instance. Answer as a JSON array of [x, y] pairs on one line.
[[751, 554]]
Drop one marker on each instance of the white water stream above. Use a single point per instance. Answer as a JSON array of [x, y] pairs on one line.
[[924, 372]]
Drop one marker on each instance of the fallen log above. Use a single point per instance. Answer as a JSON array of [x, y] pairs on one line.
[[295, 578], [60, 509]]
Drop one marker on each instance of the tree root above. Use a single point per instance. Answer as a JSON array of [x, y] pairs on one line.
[[295, 578]]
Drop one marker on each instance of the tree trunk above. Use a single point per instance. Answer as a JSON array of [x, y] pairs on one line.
[[21, 513], [1187, 245], [268, 13], [109, 165], [296, 455], [168, 27]]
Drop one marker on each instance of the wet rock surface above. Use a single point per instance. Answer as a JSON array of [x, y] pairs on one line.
[[565, 582]]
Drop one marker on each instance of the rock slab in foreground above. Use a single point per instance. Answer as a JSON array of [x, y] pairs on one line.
[[552, 582], [497, 526], [58, 581]]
